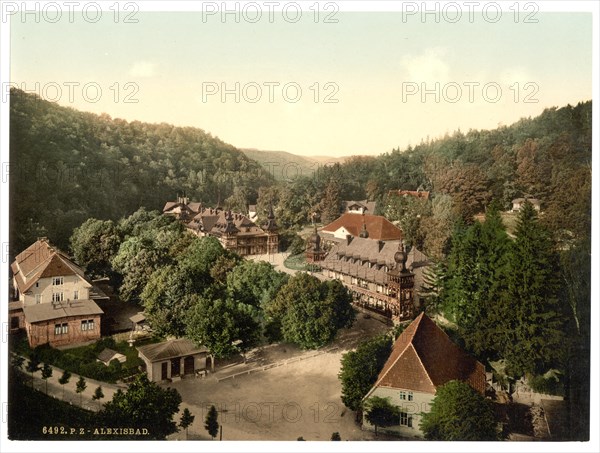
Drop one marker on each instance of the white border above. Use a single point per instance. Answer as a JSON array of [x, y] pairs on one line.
[[76, 446]]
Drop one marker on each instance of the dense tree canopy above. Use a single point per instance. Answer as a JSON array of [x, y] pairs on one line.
[[459, 413], [144, 405], [361, 367], [310, 312], [88, 165], [220, 324]]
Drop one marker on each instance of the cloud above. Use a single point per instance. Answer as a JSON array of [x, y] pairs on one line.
[[142, 69], [426, 67], [516, 74]]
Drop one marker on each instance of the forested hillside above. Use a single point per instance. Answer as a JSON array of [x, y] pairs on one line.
[[67, 166], [547, 157]]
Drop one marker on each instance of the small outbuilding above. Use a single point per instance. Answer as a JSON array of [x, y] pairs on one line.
[[139, 322], [108, 355], [173, 359]]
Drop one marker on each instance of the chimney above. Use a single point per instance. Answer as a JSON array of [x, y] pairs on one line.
[[348, 239]]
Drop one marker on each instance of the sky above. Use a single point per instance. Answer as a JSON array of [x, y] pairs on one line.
[[371, 82]]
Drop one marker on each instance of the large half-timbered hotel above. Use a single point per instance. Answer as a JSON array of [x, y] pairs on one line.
[[381, 274]]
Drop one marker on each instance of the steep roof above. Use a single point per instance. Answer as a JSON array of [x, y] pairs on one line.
[[170, 349], [424, 358], [379, 227], [50, 311], [41, 260]]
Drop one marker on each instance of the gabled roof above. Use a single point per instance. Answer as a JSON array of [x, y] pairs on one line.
[[424, 358], [379, 227], [368, 205], [41, 260], [60, 310], [107, 355], [170, 349]]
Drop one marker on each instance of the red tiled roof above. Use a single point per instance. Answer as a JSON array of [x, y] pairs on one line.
[[424, 358], [379, 227]]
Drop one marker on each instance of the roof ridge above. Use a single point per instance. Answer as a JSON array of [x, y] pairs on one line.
[[409, 343]]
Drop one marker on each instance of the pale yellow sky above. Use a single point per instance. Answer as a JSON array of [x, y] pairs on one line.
[[374, 65]]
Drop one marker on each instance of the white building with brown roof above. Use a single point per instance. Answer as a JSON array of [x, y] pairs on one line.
[[53, 301], [423, 358]]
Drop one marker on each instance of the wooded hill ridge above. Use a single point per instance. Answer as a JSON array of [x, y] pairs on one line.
[[68, 166]]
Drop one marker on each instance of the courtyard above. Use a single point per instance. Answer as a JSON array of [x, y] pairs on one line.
[[280, 393]]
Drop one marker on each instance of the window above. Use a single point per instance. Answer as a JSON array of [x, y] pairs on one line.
[[57, 297], [61, 329], [37, 284], [87, 324], [38, 298], [406, 419], [57, 281], [76, 294], [402, 395], [410, 396]]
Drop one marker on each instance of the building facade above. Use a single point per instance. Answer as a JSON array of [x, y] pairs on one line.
[[172, 359], [235, 232], [381, 275], [423, 358], [53, 300]]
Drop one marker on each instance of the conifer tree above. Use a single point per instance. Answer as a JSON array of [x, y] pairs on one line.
[[211, 423], [477, 281], [532, 334]]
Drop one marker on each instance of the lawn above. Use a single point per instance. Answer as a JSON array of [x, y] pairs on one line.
[[298, 263], [82, 360]]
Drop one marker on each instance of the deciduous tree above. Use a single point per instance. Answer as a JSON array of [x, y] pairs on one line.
[[360, 369], [458, 412], [144, 405]]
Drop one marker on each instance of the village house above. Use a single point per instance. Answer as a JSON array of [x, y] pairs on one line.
[[53, 300], [235, 232], [423, 358], [360, 207], [173, 359]]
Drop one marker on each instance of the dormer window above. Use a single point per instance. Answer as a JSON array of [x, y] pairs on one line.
[[56, 281]]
